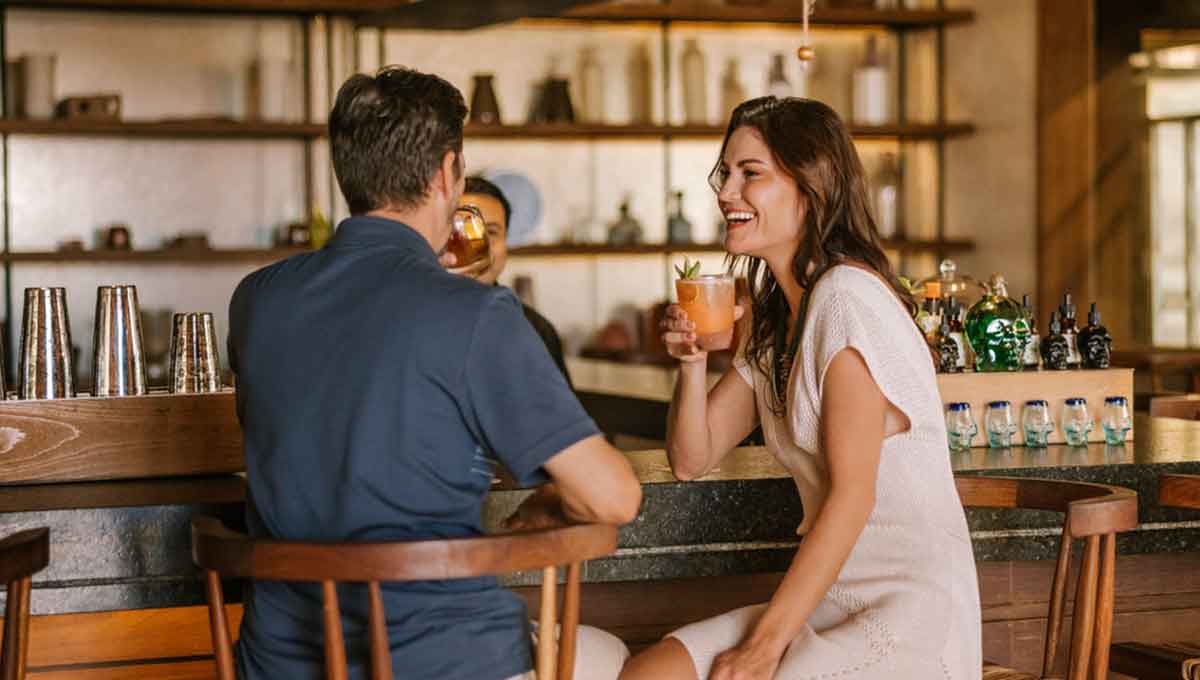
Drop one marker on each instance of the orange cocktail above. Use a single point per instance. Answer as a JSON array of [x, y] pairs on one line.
[[708, 302]]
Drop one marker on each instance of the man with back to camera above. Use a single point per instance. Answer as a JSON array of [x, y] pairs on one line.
[[371, 386]]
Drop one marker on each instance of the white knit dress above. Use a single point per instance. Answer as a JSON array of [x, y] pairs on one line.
[[906, 603]]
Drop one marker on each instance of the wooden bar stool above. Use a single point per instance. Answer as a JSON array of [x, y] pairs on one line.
[[21, 556], [1094, 513], [1164, 660], [221, 552]]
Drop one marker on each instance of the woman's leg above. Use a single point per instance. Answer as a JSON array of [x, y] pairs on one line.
[[667, 660]]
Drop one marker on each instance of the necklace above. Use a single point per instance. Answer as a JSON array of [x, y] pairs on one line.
[[784, 359]]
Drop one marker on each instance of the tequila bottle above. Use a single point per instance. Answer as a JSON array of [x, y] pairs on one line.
[[996, 329], [1067, 313], [1095, 344], [1031, 359], [1054, 346]]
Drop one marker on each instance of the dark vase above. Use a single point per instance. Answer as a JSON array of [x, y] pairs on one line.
[[558, 102], [485, 110]]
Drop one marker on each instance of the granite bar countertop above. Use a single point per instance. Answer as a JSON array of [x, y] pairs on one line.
[[121, 545]]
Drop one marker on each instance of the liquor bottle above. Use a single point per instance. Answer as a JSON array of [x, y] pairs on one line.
[[732, 92], [625, 230], [1095, 343], [996, 329], [871, 96], [1031, 358], [948, 353], [885, 194], [679, 229], [777, 82], [695, 85], [1054, 346], [591, 87], [952, 311], [1067, 312]]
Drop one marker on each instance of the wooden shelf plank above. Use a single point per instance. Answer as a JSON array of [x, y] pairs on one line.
[[583, 250], [226, 129], [692, 10], [167, 256], [201, 128], [218, 6], [907, 131]]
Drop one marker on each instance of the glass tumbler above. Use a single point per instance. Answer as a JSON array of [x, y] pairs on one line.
[[1037, 423], [1115, 420], [999, 424], [1076, 422], [960, 426]]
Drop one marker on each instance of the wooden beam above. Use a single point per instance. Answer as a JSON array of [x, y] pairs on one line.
[[1066, 150]]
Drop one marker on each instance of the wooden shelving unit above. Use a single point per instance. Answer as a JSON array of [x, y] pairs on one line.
[[169, 129], [165, 256], [594, 249]]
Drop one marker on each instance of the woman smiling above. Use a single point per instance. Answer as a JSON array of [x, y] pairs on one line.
[[838, 375]]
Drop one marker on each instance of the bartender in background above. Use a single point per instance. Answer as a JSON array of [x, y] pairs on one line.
[[497, 212]]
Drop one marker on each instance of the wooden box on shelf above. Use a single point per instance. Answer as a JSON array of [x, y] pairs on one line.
[[1055, 387], [93, 438]]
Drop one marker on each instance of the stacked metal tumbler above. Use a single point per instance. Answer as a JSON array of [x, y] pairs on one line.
[[47, 367], [120, 366], [195, 365]]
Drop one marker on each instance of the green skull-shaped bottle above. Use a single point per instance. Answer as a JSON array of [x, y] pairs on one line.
[[997, 329]]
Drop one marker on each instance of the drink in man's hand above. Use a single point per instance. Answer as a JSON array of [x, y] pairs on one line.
[[468, 238], [708, 302]]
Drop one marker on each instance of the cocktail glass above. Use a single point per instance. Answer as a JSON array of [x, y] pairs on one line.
[[708, 302]]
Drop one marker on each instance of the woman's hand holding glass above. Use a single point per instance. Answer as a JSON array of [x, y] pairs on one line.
[[679, 334]]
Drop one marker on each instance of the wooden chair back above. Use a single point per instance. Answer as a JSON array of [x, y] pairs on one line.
[[1185, 406], [222, 552], [22, 555], [1179, 491], [1093, 513]]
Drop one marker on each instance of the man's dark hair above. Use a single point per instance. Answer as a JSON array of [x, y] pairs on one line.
[[389, 133], [481, 186]]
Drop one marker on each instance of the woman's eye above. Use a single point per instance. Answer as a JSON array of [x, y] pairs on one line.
[[749, 173]]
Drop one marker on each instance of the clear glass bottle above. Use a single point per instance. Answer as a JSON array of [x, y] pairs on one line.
[[679, 229], [625, 230], [777, 82], [996, 329], [1095, 344], [1076, 422], [960, 426], [885, 194], [591, 82], [1067, 313], [1054, 346], [732, 91], [1115, 420], [999, 424], [872, 98], [1031, 358], [695, 84], [1038, 423]]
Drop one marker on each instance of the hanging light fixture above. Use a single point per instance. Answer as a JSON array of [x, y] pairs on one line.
[[806, 53]]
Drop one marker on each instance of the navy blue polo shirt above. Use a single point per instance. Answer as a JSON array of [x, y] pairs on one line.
[[372, 389]]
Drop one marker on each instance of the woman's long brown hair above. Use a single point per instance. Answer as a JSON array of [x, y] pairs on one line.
[[810, 143]]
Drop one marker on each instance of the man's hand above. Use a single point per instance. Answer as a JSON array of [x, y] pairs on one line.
[[474, 271], [541, 510]]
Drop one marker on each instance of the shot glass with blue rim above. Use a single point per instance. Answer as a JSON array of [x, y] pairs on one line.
[[1038, 423], [1076, 422], [1115, 420], [998, 421], [960, 426]]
